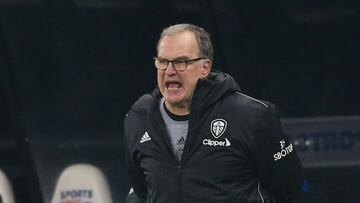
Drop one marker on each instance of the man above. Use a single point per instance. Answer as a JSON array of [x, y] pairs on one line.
[[196, 138]]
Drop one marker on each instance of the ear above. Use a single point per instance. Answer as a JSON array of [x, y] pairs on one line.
[[206, 67]]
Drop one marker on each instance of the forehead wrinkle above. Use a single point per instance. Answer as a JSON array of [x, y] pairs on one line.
[[178, 45]]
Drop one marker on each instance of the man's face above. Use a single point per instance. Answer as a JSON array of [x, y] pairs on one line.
[[178, 86]]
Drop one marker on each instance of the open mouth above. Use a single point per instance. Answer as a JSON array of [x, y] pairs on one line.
[[173, 85]]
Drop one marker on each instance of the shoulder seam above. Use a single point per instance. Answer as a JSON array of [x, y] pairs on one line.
[[262, 198], [253, 99], [135, 113]]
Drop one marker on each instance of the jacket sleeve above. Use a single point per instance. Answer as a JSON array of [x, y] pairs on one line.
[[138, 190], [277, 164]]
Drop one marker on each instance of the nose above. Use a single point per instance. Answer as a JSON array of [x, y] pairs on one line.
[[170, 70]]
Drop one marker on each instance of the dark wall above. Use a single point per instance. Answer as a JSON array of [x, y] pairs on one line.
[[70, 70]]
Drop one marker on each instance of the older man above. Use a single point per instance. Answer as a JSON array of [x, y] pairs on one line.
[[196, 138]]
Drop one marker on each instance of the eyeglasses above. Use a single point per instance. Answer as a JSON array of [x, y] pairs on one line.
[[178, 64]]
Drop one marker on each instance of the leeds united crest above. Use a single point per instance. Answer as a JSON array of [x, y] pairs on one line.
[[218, 127]]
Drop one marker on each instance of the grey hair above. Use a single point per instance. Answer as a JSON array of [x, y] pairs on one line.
[[202, 38]]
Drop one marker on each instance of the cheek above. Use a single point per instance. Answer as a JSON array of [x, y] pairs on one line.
[[160, 79], [191, 83], [160, 82]]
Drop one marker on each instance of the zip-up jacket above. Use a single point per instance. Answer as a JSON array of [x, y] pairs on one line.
[[235, 151]]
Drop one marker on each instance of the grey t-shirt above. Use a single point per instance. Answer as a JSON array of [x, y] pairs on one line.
[[177, 127]]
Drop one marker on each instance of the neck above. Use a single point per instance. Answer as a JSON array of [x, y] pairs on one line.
[[180, 110]]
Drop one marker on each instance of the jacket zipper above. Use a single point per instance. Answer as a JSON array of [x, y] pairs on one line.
[[177, 162], [179, 181], [180, 162]]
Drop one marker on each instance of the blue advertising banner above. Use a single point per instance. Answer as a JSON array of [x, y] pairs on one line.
[[325, 141]]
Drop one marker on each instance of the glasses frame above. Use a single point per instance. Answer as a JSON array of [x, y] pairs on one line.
[[186, 61]]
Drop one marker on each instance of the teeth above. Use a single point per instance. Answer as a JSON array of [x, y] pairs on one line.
[[173, 85]]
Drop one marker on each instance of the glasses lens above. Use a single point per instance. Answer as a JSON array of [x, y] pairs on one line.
[[161, 64], [179, 65]]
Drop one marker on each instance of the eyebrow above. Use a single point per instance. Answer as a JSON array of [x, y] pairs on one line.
[[178, 58]]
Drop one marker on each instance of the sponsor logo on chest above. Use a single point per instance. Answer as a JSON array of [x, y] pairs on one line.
[[217, 129], [145, 138], [284, 151]]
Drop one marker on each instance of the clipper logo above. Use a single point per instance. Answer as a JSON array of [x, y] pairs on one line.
[[284, 151], [209, 142], [218, 127]]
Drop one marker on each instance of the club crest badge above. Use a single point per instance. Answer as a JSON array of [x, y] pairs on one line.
[[218, 127]]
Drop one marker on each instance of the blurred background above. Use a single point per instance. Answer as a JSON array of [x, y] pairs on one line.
[[70, 70]]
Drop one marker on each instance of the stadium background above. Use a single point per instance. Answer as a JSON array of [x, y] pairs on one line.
[[70, 69]]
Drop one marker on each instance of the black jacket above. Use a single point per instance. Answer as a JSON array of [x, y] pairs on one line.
[[235, 150]]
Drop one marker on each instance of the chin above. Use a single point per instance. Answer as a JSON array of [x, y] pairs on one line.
[[172, 100]]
